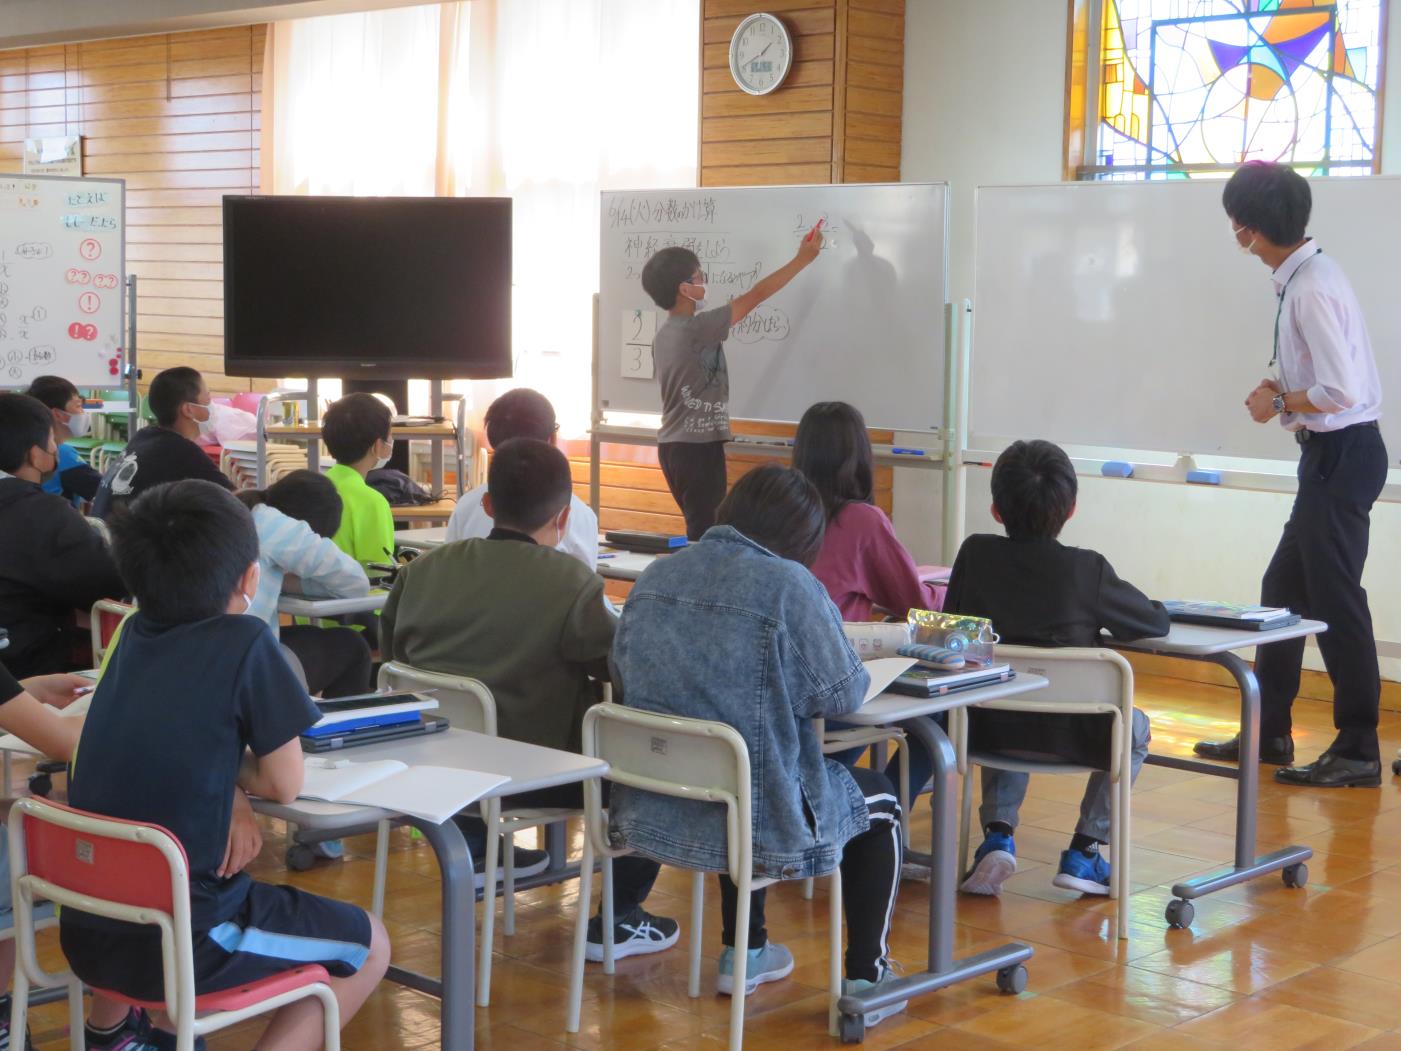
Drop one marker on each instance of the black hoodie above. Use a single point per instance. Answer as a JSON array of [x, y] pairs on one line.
[[52, 562]]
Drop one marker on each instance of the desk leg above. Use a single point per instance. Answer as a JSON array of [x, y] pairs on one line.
[[943, 970], [457, 988], [1246, 865]]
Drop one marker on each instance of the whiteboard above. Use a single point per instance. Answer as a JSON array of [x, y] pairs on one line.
[[62, 279], [1124, 316], [863, 324]]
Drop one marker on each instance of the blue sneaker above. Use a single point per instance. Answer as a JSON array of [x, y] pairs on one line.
[[768, 964], [1087, 873], [879, 1014], [993, 864]]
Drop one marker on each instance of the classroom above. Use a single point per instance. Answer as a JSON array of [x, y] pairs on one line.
[[498, 496]]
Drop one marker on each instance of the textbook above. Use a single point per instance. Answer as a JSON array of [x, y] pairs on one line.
[[926, 682], [431, 793], [648, 543], [370, 709], [1227, 615]]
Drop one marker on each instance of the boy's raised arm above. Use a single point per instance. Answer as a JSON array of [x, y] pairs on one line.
[[808, 248]]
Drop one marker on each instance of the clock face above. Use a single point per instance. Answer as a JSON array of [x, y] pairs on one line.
[[761, 53]]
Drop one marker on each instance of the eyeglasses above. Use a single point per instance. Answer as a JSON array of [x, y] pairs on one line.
[[698, 278]]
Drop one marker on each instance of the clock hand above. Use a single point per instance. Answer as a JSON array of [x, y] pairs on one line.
[[761, 54]]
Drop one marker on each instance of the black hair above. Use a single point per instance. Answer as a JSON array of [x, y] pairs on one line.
[[529, 483], [24, 423], [520, 413], [172, 389], [303, 495], [54, 391], [1034, 489], [1271, 198], [833, 450], [666, 271], [777, 508], [352, 426], [181, 549]]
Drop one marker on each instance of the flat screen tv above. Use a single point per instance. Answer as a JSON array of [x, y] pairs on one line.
[[398, 287]]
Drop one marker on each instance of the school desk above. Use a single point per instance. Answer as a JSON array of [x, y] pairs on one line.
[[943, 970], [529, 766], [305, 606], [1196, 642], [613, 563]]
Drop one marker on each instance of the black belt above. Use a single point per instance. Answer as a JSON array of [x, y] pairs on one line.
[[1304, 436]]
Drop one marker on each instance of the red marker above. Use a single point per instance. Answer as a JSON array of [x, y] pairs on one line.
[[815, 229]]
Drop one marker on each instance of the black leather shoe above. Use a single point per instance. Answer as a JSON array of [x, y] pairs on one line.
[[1277, 751], [1331, 771]]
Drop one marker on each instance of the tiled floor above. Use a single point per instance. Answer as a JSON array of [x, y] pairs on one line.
[[1262, 965]]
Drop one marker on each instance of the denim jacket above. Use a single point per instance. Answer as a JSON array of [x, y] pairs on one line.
[[726, 630]]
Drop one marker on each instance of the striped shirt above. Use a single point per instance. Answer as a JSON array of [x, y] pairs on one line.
[[289, 546]]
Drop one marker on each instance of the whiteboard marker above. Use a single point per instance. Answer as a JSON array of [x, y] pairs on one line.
[[906, 452], [815, 230]]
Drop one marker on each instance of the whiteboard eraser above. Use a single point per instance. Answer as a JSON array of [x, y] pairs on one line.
[[1204, 477], [1116, 469]]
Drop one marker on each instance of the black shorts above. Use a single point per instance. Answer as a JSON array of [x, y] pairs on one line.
[[277, 928]]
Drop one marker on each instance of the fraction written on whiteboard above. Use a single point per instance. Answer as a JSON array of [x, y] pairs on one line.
[[639, 328]]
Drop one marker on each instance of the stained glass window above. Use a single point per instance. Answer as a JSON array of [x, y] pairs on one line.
[[1194, 87]]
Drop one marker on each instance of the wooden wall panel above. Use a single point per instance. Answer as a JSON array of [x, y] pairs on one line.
[[179, 117]]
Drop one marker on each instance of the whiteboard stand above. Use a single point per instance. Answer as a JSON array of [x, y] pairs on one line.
[[130, 373], [959, 321]]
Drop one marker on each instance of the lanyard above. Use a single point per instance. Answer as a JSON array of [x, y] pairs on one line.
[[1280, 309]]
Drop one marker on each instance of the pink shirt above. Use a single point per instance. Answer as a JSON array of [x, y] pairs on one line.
[[863, 564]]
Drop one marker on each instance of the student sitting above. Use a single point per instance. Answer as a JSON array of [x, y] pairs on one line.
[[524, 413], [52, 562], [196, 701], [1038, 592], [166, 452], [735, 629], [862, 563], [529, 621], [296, 517], [74, 480], [358, 434]]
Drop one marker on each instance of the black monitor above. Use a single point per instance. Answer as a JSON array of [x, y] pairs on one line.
[[395, 287]]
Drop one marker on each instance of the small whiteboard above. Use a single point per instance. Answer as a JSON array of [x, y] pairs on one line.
[[62, 279], [863, 324]]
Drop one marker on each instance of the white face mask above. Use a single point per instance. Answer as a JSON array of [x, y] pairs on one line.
[[699, 300], [1244, 249], [383, 461], [206, 425], [247, 603], [79, 423]]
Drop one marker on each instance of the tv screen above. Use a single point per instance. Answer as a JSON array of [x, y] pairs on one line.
[[399, 287]]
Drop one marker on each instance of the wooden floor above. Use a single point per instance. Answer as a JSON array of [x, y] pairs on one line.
[[1262, 966]]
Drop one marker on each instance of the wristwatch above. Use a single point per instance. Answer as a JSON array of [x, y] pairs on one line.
[[1278, 402]]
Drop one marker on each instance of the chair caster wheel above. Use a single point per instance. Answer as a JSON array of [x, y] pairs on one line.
[[41, 785], [851, 1028], [1396, 767], [1179, 913], [1295, 875], [300, 858], [1012, 979]]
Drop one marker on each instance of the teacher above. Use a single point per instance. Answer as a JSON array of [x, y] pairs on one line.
[[1324, 389]]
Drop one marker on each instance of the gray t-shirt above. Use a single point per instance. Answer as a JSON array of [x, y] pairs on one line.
[[689, 353]]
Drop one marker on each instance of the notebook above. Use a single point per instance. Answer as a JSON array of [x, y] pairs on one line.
[[371, 709], [647, 543], [1227, 615], [926, 682], [432, 793], [424, 724]]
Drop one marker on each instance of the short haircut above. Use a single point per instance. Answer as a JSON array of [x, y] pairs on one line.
[[24, 423], [1271, 198], [520, 413], [352, 426], [181, 549], [54, 391], [833, 450], [304, 495], [1034, 489], [529, 484], [172, 389], [666, 271], [777, 508]]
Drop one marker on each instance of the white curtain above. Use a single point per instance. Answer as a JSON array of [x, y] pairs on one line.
[[545, 101]]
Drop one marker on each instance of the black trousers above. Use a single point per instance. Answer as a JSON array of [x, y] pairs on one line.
[[336, 660], [695, 474], [633, 876], [1317, 572], [870, 879]]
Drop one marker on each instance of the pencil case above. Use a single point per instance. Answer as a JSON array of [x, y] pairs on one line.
[[970, 637]]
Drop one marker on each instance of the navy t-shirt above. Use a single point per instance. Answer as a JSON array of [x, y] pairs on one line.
[[165, 736]]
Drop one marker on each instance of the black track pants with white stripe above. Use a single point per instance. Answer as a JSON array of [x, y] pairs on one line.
[[870, 880]]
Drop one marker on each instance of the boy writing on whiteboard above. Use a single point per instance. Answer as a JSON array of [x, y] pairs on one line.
[[689, 352]]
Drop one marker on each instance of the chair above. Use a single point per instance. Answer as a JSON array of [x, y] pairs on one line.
[[107, 615], [1083, 681], [467, 704], [138, 873], [690, 759]]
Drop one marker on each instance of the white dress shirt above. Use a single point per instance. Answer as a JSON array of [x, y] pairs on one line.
[[1323, 344], [469, 520]]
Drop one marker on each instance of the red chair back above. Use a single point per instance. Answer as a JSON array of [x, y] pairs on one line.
[[119, 870]]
